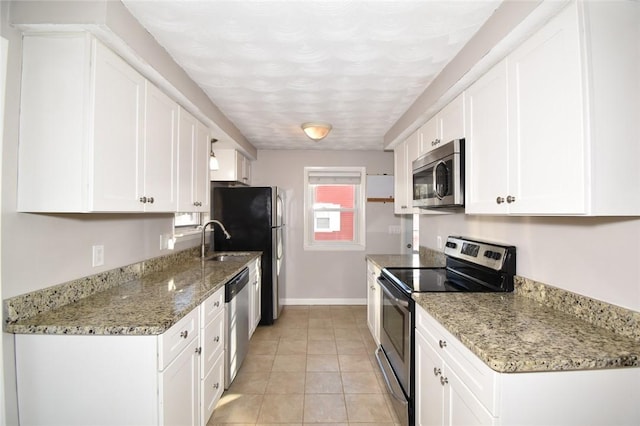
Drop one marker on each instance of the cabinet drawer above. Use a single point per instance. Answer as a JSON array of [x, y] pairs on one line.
[[481, 380], [212, 340], [174, 340], [213, 306], [212, 387]]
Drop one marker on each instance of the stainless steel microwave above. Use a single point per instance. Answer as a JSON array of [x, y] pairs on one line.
[[438, 177]]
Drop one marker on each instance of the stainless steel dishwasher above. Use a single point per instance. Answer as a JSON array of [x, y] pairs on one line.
[[236, 342]]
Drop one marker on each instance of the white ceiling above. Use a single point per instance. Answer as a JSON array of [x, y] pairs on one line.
[[272, 65]]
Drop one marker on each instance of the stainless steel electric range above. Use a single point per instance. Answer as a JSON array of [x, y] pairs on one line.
[[471, 266]]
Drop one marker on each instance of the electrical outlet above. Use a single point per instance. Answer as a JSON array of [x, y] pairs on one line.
[[166, 242], [439, 242], [98, 255]]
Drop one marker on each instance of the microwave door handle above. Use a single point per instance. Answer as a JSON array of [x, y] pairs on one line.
[[394, 298], [435, 178]]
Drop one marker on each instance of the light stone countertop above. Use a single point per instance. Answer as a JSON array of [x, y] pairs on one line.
[[514, 332], [150, 304]]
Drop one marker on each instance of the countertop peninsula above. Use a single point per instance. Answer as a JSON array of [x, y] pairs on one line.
[[515, 332]]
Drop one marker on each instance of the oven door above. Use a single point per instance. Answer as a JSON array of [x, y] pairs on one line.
[[395, 333]]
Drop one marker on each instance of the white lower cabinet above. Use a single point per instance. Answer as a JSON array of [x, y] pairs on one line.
[[255, 295], [179, 388], [175, 378], [373, 301], [212, 354], [454, 387]]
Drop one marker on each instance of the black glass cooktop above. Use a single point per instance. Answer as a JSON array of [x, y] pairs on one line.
[[423, 280]]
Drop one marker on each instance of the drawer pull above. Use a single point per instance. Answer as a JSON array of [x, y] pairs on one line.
[[199, 350], [436, 371], [185, 333], [217, 303], [443, 380], [216, 386], [216, 339], [442, 343]]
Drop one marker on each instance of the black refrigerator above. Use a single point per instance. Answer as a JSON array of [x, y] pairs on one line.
[[254, 217]]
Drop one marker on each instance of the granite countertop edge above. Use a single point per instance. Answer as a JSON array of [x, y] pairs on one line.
[[147, 305]]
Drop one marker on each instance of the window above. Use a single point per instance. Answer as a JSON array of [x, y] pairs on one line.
[[185, 223], [334, 216]]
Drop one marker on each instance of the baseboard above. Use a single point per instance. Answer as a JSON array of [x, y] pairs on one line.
[[323, 301]]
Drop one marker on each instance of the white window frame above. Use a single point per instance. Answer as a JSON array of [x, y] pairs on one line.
[[334, 175]]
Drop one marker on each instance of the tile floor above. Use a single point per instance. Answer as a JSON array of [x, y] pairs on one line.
[[315, 365]]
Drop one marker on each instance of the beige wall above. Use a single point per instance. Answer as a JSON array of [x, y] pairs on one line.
[[595, 257], [314, 276]]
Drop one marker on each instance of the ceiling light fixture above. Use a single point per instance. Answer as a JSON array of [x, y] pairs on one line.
[[213, 161], [316, 131]]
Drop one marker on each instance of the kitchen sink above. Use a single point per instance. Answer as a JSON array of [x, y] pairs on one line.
[[225, 257]]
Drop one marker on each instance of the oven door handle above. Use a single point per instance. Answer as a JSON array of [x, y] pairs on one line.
[[402, 399], [394, 298]]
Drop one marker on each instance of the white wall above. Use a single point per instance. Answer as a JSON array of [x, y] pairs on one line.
[[319, 276], [595, 257]]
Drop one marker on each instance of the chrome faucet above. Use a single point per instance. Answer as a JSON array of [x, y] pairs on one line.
[[204, 227]]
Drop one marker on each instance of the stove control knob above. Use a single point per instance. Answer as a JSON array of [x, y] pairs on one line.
[[496, 255], [488, 253], [451, 244]]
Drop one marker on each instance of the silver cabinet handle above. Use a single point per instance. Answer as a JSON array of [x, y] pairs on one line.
[[199, 350], [217, 303], [443, 380], [151, 200], [216, 386], [442, 343], [403, 207], [499, 200], [436, 371], [435, 142], [511, 199], [216, 339], [143, 199], [184, 334]]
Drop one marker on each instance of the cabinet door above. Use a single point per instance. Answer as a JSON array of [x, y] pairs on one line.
[[429, 137], [373, 301], [400, 202], [186, 164], [255, 307], [118, 138], [404, 154], [160, 165], [487, 143], [546, 128], [451, 120], [201, 168], [429, 392], [461, 406], [179, 389]]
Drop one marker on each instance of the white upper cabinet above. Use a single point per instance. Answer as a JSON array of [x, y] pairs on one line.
[[193, 165], [487, 142], [446, 126], [160, 152], [545, 136], [403, 155], [234, 167], [95, 136]]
